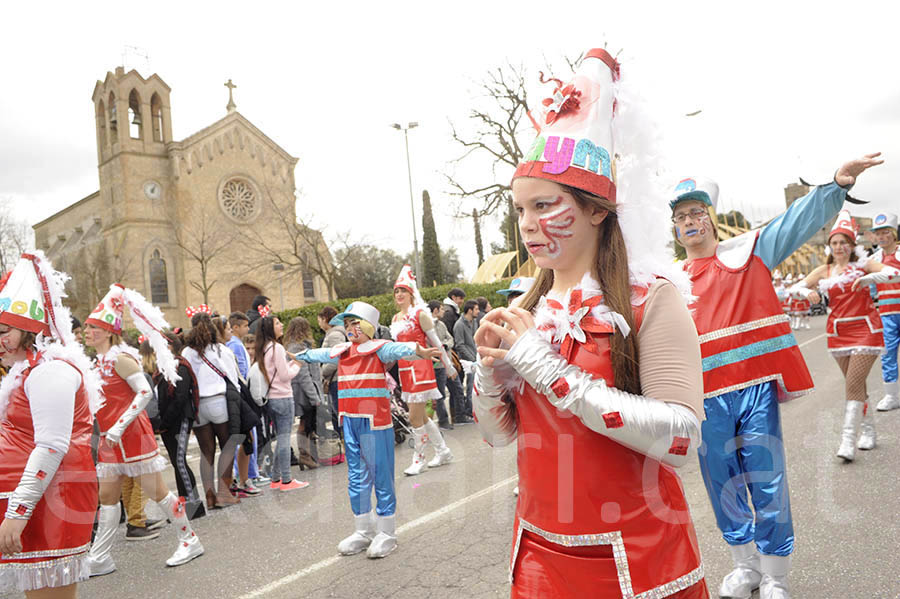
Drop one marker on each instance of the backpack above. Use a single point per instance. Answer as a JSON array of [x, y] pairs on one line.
[[259, 389]]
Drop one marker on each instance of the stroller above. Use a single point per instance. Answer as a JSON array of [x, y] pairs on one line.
[[399, 414]]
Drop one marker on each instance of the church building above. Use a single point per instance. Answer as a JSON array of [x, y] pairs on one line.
[[209, 217]]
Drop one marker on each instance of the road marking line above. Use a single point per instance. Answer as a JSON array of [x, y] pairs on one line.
[[402, 529], [808, 341]]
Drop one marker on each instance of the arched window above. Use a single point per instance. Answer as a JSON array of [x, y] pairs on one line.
[[156, 117], [135, 127], [101, 123], [159, 282], [113, 119]]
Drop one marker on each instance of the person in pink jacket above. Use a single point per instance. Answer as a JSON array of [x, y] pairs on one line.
[[278, 372]]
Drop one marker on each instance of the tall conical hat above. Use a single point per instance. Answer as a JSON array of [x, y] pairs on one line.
[[148, 319], [31, 298], [845, 225]]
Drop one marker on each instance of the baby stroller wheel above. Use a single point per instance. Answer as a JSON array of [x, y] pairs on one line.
[[399, 437], [411, 442]]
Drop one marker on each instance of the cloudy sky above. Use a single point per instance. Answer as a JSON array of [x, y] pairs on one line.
[[786, 89]]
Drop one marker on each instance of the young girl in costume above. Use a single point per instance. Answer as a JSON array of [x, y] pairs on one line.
[[417, 379], [48, 486], [853, 327], [596, 370], [127, 443], [364, 409]]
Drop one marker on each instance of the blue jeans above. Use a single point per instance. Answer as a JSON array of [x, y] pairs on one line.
[[742, 451], [440, 375], [282, 411], [470, 383]]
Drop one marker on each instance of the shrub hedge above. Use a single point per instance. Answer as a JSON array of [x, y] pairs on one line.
[[385, 302]]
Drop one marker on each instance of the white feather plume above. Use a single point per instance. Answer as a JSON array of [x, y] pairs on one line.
[[643, 209], [61, 322], [150, 321]]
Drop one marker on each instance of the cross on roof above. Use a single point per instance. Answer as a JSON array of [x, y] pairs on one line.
[[231, 105]]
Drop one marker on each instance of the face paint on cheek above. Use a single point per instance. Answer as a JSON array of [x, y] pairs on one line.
[[556, 226]]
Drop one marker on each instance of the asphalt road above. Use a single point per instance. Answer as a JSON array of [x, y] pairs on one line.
[[455, 522]]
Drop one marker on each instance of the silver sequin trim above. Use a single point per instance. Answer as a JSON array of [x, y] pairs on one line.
[[840, 352], [614, 539], [39, 554], [854, 318], [6, 495], [743, 328], [760, 381]]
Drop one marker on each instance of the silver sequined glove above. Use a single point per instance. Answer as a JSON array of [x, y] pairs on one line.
[[142, 396], [496, 417], [39, 471], [654, 428]]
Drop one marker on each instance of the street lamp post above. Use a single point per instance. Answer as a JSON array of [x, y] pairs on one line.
[[279, 268], [411, 201]]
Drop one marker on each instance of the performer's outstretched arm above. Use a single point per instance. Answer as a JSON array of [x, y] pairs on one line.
[[786, 233]]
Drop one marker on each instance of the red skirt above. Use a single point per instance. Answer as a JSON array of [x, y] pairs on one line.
[[847, 337], [416, 376], [58, 535], [138, 443], [547, 570]]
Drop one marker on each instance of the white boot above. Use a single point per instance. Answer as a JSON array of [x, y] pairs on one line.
[[867, 437], [100, 559], [852, 417], [189, 546], [418, 464], [386, 539], [891, 399], [745, 578], [775, 570], [361, 537], [442, 453]]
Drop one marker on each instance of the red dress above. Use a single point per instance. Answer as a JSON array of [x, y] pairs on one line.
[[58, 535], [594, 518], [362, 392], [417, 379], [854, 326], [137, 451]]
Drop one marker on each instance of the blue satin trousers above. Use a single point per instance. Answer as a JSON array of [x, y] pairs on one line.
[[370, 463], [743, 454]]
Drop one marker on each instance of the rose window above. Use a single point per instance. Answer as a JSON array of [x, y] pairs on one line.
[[239, 200]]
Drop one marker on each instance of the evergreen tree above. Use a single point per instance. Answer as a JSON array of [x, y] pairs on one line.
[[479, 247], [431, 252]]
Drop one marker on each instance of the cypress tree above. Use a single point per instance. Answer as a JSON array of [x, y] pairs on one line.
[[431, 251], [479, 247]]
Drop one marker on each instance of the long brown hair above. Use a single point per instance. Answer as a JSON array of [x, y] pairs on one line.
[[611, 266], [298, 330], [265, 334]]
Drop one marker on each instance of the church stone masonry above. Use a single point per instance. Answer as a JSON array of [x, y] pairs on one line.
[[207, 188]]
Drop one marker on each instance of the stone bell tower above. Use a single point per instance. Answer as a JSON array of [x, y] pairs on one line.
[[134, 124]]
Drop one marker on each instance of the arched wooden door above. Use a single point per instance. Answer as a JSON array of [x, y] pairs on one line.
[[241, 297]]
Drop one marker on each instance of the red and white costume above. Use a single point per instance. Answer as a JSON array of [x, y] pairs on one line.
[[136, 452], [854, 326], [47, 473], [417, 379], [361, 383], [587, 521]]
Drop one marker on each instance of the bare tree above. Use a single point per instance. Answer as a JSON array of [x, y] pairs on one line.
[[497, 117], [203, 235], [93, 268], [500, 118], [295, 243], [15, 237]]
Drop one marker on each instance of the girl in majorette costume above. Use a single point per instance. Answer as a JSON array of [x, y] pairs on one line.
[[800, 307], [853, 327], [127, 443], [597, 370], [48, 487], [417, 379]]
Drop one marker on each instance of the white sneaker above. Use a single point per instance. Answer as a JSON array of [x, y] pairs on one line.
[[418, 465], [888, 403], [187, 550], [440, 458]]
